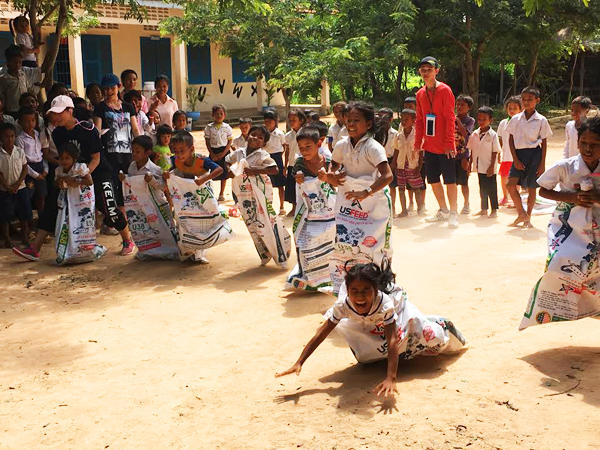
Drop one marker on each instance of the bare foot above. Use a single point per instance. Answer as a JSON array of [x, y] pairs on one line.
[[481, 213], [8, 243], [493, 214], [403, 214], [527, 224], [523, 218], [291, 213]]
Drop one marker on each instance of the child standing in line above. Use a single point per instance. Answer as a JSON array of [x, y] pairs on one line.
[[274, 146], [408, 163], [296, 120], [135, 98], [323, 129], [528, 132], [219, 135], [242, 140], [580, 106], [411, 103], [29, 140], [465, 125], [386, 136], [14, 197], [162, 151], [179, 120], [93, 92], [338, 130], [512, 106], [24, 39], [485, 148]]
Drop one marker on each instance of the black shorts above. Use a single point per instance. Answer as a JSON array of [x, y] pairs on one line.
[[278, 179], [15, 205], [531, 159], [440, 165], [118, 162], [394, 182], [290, 186], [462, 176], [221, 164]]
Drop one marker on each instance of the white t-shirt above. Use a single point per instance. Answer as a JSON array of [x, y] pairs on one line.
[[483, 145], [258, 159], [389, 144], [383, 310], [505, 136], [324, 151], [218, 135], [571, 138], [528, 133], [240, 142], [362, 159], [77, 170], [337, 132], [26, 40], [156, 172], [406, 150], [11, 166], [290, 140], [566, 173], [276, 141]]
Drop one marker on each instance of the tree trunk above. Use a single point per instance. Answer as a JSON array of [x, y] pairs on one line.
[[52, 50], [399, 78], [534, 64], [515, 78], [471, 72], [464, 75], [571, 79], [287, 95], [581, 72], [501, 96]]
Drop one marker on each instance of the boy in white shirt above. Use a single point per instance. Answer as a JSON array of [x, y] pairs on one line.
[[579, 109], [407, 163], [274, 147], [242, 140], [512, 106], [485, 147], [528, 131], [338, 130], [219, 136]]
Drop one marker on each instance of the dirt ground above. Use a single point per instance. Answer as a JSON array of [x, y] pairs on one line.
[[128, 354]]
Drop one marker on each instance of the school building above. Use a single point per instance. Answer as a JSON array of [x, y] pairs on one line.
[[118, 43]]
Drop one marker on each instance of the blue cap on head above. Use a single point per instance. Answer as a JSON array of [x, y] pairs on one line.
[[110, 80]]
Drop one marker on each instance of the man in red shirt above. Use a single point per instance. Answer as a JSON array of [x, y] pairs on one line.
[[434, 134]]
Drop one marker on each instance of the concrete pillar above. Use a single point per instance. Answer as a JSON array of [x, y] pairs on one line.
[[259, 94], [76, 65], [180, 75], [325, 101]]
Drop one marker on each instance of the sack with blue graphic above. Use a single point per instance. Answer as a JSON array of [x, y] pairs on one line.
[[75, 232], [150, 220], [254, 197], [314, 233], [200, 222], [363, 229]]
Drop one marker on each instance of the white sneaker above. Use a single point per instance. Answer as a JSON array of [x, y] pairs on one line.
[[440, 216], [453, 220]]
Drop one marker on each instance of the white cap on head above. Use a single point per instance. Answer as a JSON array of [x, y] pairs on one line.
[[60, 103]]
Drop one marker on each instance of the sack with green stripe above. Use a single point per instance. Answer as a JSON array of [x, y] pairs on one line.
[[150, 220], [200, 222], [314, 233]]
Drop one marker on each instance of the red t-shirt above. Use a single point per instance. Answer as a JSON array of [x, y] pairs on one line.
[[441, 103]]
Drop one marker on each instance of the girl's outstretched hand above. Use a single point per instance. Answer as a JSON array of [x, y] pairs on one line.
[[296, 368], [386, 388]]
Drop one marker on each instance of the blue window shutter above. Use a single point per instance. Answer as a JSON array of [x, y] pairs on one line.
[[6, 39], [156, 58], [198, 61], [97, 57], [238, 71]]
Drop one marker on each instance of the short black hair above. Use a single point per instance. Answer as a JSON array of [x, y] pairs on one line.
[[409, 111], [25, 95], [178, 113], [385, 111], [79, 102], [466, 98], [89, 87], [127, 72], [247, 120], [314, 116], [160, 78], [486, 110], [163, 129], [531, 90], [82, 113], [26, 111], [410, 100], [516, 99], [12, 51], [7, 126], [183, 136], [132, 95], [583, 101], [143, 141], [592, 124], [263, 130], [310, 132], [218, 106], [270, 114], [321, 126], [71, 149], [342, 105]]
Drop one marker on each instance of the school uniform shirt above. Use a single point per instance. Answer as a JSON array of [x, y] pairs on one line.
[[324, 151], [290, 140], [165, 110], [528, 133], [406, 150], [482, 146], [151, 168], [383, 311], [77, 170], [7, 118], [389, 143], [11, 165], [258, 159], [505, 136], [566, 173], [571, 138], [441, 103], [200, 166], [26, 40], [143, 121], [337, 132], [117, 122], [32, 146], [240, 142], [276, 141], [12, 87], [361, 159], [218, 134]]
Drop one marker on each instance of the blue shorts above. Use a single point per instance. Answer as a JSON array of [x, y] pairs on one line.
[[531, 159], [440, 165]]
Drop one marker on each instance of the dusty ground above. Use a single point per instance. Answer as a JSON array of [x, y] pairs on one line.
[[125, 354]]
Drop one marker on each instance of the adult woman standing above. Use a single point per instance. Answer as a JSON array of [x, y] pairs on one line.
[[161, 102]]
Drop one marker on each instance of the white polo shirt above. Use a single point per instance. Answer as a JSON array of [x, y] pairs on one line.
[[571, 138], [11, 165], [276, 141], [218, 134], [505, 136], [290, 140], [406, 150], [361, 159], [528, 133], [389, 144], [566, 173], [337, 132], [240, 142], [483, 145], [155, 171]]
